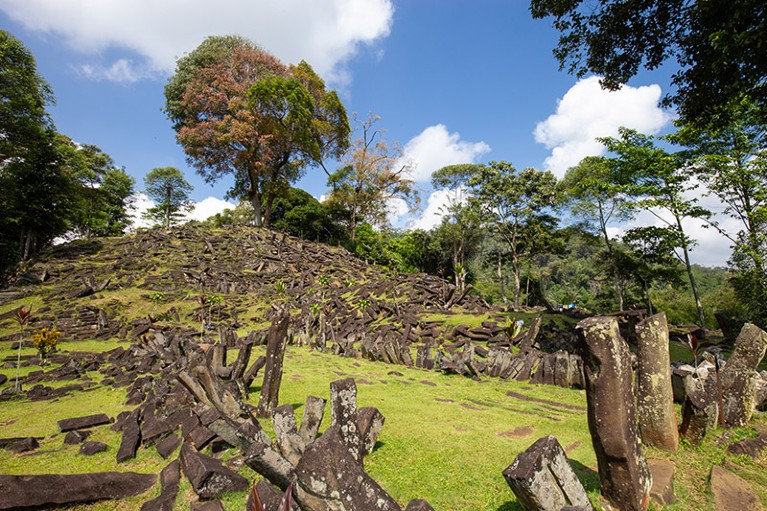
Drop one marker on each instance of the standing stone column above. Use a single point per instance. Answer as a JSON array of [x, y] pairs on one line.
[[655, 395], [623, 472], [276, 341], [739, 376]]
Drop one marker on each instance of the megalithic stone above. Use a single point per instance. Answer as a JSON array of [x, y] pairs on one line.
[[624, 476], [542, 479], [655, 394], [739, 376], [277, 340]]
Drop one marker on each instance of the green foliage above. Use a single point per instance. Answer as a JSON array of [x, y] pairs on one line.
[[515, 206], [49, 186], [719, 47], [298, 213], [45, 341], [169, 190], [371, 176], [239, 111]]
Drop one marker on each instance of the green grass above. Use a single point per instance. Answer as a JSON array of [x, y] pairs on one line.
[[446, 438]]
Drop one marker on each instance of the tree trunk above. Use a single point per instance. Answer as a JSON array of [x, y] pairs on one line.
[[517, 279], [255, 198], [500, 281], [608, 245], [688, 266]]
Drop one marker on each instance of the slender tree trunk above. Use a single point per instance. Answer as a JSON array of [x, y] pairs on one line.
[[517, 278], [647, 297], [688, 266], [255, 199], [616, 275], [500, 280], [167, 209]]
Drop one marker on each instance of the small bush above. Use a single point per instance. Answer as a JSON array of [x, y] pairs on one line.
[[45, 341]]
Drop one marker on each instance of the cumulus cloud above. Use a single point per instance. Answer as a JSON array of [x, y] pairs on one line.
[[200, 211], [587, 112], [121, 70], [436, 206], [208, 207], [331, 31], [435, 148]]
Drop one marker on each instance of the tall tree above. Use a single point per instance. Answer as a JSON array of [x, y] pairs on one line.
[[238, 110], [461, 227], [730, 159], [660, 182], [36, 192], [373, 174], [596, 195], [105, 191], [170, 191], [651, 258], [717, 44], [515, 205]]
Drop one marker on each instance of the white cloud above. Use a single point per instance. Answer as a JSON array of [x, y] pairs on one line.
[[435, 209], [208, 207], [201, 210], [121, 70], [141, 203], [435, 148], [325, 33], [587, 111]]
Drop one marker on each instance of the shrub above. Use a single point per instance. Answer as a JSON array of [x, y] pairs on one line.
[[45, 341]]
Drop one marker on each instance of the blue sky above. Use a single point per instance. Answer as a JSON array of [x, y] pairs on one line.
[[453, 81]]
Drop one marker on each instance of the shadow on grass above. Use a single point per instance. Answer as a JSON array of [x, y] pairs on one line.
[[588, 477]]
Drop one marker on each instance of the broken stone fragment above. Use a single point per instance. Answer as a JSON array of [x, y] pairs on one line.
[[209, 477], [662, 492], [83, 422], [731, 492], [50, 490], [23, 445], [90, 448], [739, 376], [76, 437], [542, 479]]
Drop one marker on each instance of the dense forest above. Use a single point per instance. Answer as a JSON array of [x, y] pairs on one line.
[[517, 237]]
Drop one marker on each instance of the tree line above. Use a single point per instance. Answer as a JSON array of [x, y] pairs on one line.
[[240, 112]]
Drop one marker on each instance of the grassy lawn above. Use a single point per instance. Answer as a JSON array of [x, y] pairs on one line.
[[446, 438]]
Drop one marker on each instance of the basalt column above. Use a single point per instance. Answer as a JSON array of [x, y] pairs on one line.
[[655, 395], [739, 376], [623, 472], [277, 340]]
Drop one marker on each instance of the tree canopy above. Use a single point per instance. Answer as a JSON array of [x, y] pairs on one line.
[[238, 110], [170, 191], [718, 46]]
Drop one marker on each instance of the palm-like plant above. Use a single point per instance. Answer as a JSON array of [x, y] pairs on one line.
[[22, 318]]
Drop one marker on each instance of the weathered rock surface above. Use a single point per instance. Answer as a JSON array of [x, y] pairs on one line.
[[170, 477], [90, 448], [623, 472], [209, 477], [542, 479], [83, 422], [739, 376], [655, 395], [49, 490], [662, 491], [731, 492]]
